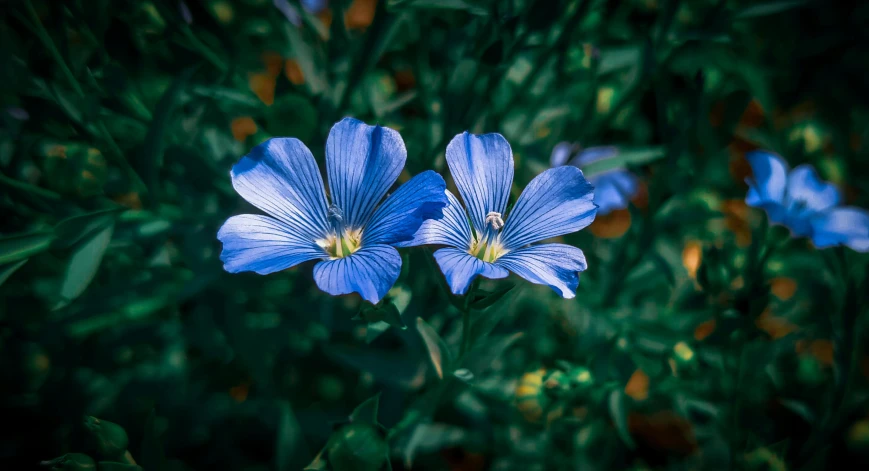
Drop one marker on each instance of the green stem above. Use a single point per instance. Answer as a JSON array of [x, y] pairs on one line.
[[466, 319]]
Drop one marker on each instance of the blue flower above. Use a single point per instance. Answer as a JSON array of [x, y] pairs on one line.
[[353, 236], [613, 189], [800, 201], [315, 6], [556, 202]]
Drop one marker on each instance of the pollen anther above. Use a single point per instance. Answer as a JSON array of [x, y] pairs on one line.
[[493, 220]]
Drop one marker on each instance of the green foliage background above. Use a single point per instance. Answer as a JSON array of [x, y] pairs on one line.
[[699, 338]]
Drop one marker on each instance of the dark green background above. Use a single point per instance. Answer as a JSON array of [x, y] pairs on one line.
[[120, 122]]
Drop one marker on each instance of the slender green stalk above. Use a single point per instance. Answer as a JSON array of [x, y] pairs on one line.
[[43, 35], [466, 319]]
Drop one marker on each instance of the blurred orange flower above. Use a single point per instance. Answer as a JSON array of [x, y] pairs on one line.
[[612, 225], [293, 72], [242, 127], [638, 386], [360, 14]]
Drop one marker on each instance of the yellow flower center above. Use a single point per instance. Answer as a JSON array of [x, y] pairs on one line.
[[341, 246], [488, 246]]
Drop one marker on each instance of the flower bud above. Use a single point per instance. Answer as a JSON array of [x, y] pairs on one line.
[[357, 447], [581, 376], [71, 462], [556, 383], [531, 400], [111, 439], [858, 435]]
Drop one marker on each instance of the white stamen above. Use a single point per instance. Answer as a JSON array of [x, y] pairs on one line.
[[494, 220]]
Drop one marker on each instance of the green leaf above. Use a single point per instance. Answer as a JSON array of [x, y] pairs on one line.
[[616, 58], [385, 312], [800, 408], [229, 96], [72, 230], [21, 246], [8, 269], [464, 374], [438, 351], [663, 267], [292, 115], [113, 466], [486, 299], [367, 411], [83, 265], [396, 368], [634, 157], [465, 5], [619, 413], [769, 8], [301, 51], [480, 358], [151, 157], [153, 457], [490, 317], [318, 463], [288, 438]]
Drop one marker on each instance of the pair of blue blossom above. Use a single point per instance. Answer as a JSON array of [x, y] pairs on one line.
[[799, 200], [355, 236]]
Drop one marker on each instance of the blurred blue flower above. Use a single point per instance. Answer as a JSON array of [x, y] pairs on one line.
[[353, 236], [315, 6], [613, 189], [800, 201], [556, 202], [290, 12]]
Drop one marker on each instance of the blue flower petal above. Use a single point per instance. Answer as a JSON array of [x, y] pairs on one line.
[[371, 272], [280, 177], [400, 216], [807, 189], [554, 265], [556, 202], [560, 154], [594, 154], [769, 179], [842, 226], [613, 190], [362, 162], [482, 167], [452, 229], [289, 11], [263, 245], [315, 6], [460, 268]]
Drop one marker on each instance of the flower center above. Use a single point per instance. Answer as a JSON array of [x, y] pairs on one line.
[[340, 246], [487, 247], [343, 241]]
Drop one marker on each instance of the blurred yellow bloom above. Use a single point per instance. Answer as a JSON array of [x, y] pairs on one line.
[[692, 256]]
